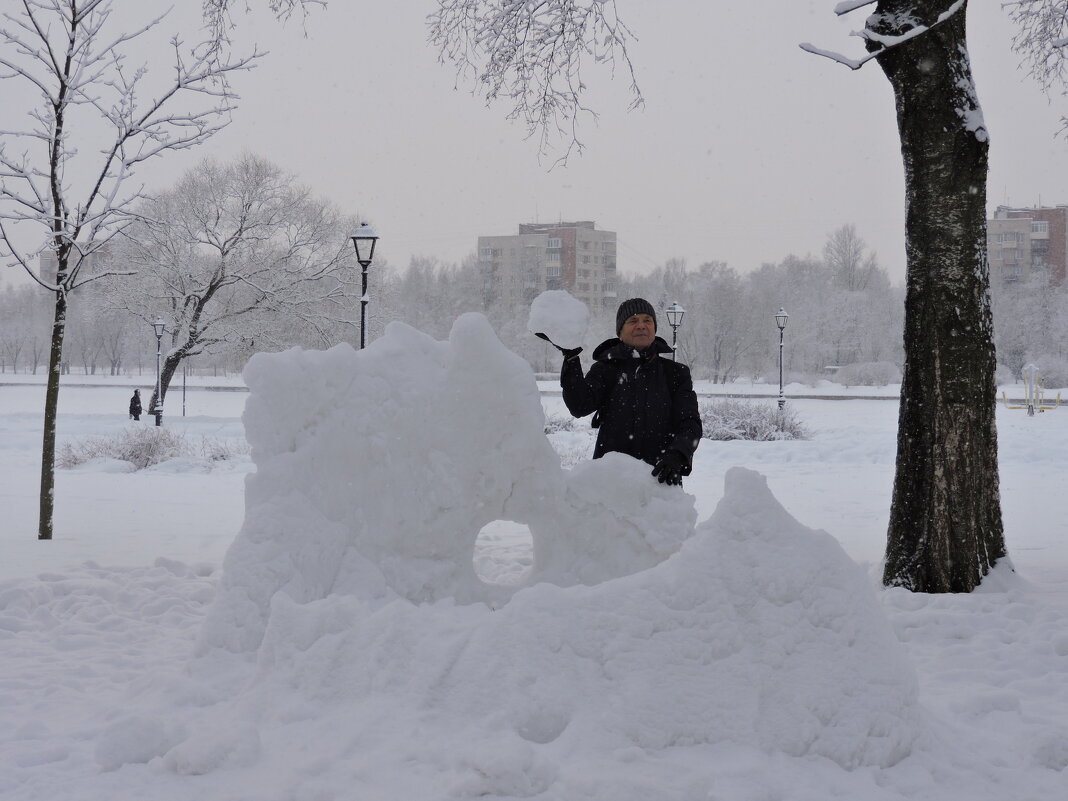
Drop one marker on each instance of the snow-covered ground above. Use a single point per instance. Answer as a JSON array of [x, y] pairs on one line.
[[763, 661]]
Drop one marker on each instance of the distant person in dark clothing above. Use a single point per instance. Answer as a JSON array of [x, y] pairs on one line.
[[135, 405], [645, 406]]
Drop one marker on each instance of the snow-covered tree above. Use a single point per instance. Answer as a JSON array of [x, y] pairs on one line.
[[533, 54], [93, 119], [945, 528], [847, 256], [237, 253]]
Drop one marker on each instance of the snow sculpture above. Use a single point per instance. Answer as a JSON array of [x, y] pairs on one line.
[[376, 469], [639, 634]]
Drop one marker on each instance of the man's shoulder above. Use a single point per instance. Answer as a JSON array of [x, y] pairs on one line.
[[678, 374], [674, 366]]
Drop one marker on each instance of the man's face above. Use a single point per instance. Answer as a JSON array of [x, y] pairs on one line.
[[638, 331]]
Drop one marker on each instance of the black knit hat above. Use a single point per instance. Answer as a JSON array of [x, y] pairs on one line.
[[629, 308]]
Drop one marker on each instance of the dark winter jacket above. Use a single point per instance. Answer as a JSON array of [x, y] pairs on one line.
[[135, 405], [645, 403]]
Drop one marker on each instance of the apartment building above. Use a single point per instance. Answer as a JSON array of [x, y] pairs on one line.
[[565, 255], [1022, 243]]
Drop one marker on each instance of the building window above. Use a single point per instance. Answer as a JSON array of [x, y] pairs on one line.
[[554, 242], [585, 259], [1039, 227], [553, 256], [553, 271]]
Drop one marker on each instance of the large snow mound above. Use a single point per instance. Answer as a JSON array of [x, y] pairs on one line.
[[638, 633]]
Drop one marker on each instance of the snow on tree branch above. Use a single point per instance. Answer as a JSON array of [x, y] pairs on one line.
[[851, 5], [531, 53], [236, 251], [71, 56], [1041, 40], [885, 41], [219, 21]]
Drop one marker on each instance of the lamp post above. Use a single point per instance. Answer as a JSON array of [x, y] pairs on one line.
[[157, 410], [780, 320], [364, 239], [674, 314]]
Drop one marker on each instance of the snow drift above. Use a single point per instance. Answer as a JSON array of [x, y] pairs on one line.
[[638, 632]]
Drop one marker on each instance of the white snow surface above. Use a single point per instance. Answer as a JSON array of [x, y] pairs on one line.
[[560, 316], [347, 649]]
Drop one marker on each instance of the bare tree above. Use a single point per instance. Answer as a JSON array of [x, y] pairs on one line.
[[235, 253], [65, 178], [533, 54], [847, 256], [1042, 40]]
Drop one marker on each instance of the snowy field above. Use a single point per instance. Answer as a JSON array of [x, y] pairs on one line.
[[766, 677]]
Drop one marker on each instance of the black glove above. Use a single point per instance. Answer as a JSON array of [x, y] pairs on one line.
[[668, 468], [569, 353]]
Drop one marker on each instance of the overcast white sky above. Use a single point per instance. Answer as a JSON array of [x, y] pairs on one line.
[[748, 148]]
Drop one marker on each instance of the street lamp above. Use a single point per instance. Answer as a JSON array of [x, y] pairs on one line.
[[780, 320], [364, 239], [674, 314], [158, 327]]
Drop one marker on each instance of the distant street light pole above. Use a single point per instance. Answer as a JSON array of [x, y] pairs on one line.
[[364, 240], [674, 314], [157, 410], [780, 320]]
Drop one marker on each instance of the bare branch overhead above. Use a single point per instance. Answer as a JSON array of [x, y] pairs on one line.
[[532, 54]]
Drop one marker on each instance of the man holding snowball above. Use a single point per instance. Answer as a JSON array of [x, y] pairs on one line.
[[644, 405]]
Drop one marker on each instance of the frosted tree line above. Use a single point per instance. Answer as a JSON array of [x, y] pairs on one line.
[[845, 312]]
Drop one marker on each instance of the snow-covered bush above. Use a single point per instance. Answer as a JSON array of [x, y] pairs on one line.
[[144, 446], [221, 450], [869, 374], [554, 421], [732, 418]]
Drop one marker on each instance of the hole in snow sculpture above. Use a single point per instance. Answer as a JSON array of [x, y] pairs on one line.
[[504, 553]]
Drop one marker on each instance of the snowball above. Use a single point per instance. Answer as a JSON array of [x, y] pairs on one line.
[[560, 316]]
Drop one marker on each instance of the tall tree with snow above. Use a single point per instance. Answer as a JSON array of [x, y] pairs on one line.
[[945, 529], [233, 253], [65, 175]]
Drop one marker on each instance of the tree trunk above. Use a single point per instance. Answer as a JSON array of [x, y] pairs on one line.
[[169, 366], [48, 446], [945, 529]]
